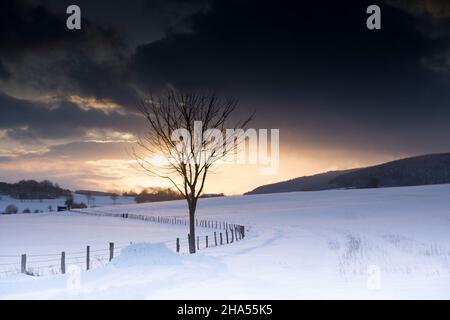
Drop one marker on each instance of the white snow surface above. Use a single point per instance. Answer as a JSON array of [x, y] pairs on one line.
[[387, 243]]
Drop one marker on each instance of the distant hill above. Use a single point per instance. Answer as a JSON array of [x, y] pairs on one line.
[[420, 170], [316, 182], [30, 189]]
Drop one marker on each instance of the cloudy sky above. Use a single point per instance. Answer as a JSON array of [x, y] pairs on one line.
[[342, 95]]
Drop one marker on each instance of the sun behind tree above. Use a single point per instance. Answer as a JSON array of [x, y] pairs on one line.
[[174, 119]]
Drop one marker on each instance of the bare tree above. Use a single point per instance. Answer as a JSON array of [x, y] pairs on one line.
[[89, 197], [188, 155], [114, 197]]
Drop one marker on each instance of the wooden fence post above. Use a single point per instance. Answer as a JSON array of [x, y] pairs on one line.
[[23, 264], [226, 233], [221, 239], [88, 257], [111, 251], [198, 243], [215, 238], [232, 235], [207, 241], [178, 244], [63, 262]]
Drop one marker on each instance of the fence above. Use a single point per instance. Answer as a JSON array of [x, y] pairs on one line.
[[231, 232], [234, 233], [56, 263], [174, 220]]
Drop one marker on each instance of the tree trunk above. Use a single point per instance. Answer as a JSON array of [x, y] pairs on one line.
[[192, 207]]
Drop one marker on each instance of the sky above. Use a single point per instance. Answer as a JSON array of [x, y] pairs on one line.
[[342, 95]]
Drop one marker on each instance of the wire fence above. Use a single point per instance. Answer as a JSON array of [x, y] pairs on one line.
[[174, 220], [56, 263]]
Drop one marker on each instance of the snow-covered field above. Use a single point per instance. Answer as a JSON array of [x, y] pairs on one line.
[[44, 204], [386, 243]]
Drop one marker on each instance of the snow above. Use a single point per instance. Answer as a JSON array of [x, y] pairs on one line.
[[389, 243], [49, 234]]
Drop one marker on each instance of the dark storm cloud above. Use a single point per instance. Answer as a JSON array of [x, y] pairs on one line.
[[139, 21], [87, 151], [4, 74], [29, 28], [24, 28], [28, 121], [43, 55], [434, 9], [315, 69], [312, 69], [258, 43]]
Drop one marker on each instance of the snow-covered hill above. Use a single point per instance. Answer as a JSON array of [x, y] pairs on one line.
[[369, 243], [413, 171]]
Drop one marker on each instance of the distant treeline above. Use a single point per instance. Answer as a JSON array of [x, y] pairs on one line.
[[96, 193], [157, 194], [31, 189]]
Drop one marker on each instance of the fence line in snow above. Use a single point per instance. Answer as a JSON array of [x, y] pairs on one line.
[[57, 262], [237, 233], [203, 223], [227, 233]]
